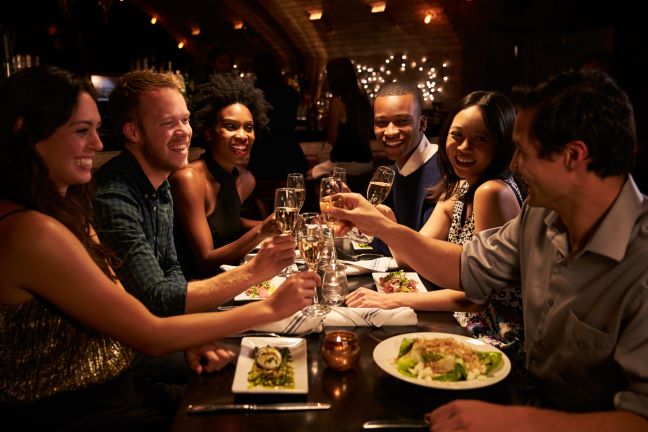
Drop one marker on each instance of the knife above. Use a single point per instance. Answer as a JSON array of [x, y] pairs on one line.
[[298, 406], [395, 424]]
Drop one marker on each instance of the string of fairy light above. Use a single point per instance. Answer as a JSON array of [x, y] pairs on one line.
[[421, 70]]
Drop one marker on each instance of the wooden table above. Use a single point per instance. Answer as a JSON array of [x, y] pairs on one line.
[[363, 393]]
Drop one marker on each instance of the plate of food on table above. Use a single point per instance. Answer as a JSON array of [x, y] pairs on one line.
[[271, 365], [442, 360], [261, 290], [398, 281]]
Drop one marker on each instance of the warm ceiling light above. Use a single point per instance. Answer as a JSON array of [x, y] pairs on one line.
[[429, 16], [238, 24], [181, 44], [315, 14], [195, 31], [378, 7], [154, 20]]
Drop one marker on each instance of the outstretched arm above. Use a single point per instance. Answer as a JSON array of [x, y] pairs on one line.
[[275, 254], [70, 280], [436, 260]]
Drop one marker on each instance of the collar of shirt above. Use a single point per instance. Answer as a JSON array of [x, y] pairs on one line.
[[422, 153], [134, 171], [612, 236]]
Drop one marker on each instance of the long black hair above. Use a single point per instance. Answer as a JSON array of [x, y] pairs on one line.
[[34, 103], [499, 116]]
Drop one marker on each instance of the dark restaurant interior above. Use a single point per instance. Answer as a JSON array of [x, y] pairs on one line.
[[471, 44], [452, 51]]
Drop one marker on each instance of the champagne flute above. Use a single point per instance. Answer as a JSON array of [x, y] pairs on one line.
[[286, 212], [296, 181], [380, 185], [310, 238], [377, 191], [329, 186]]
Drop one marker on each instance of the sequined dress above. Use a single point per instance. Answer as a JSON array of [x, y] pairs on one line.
[[43, 353]]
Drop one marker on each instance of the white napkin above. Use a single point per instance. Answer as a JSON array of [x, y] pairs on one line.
[[371, 317], [298, 323], [226, 267], [381, 264]]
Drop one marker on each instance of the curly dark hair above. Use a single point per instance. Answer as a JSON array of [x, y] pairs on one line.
[[221, 91], [499, 117], [35, 103], [585, 105]]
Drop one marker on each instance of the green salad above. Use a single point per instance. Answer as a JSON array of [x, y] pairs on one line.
[[445, 359]]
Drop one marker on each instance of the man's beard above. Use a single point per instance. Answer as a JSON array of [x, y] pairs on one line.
[[156, 156]]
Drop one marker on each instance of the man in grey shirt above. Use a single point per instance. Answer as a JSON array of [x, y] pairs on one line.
[[579, 250]]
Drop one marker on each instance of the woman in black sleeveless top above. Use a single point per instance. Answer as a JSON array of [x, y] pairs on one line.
[[207, 195]]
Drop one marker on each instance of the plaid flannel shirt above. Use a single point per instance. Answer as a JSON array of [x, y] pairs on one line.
[[136, 222]]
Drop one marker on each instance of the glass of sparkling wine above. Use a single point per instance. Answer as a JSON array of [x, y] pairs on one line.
[[286, 212], [310, 238], [329, 186], [296, 181], [377, 191]]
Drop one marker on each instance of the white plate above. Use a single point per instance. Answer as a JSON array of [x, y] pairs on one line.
[[386, 352], [274, 282], [410, 275], [246, 360]]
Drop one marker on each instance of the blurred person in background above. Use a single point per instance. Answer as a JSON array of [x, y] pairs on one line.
[[276, 152], [348, 122]]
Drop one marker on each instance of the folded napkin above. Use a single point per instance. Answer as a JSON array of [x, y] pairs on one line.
[[298, 323], [381, 264]]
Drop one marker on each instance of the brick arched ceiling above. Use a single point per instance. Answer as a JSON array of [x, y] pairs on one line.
[[347, 28]]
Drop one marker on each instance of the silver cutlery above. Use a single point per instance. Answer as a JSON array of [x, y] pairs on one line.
[[395, 424], [297, 406], [254, 334]]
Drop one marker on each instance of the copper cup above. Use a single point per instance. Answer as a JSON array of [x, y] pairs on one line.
[[341, 349]]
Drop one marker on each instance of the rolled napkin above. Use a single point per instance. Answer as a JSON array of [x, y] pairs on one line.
[[298, 323], [371, 317]]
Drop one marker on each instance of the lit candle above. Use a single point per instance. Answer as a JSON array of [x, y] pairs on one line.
[[341, 349]]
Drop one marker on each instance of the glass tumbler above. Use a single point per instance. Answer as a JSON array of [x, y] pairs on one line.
[[334, 285]]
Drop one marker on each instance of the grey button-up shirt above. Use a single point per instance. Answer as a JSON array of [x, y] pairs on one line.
[[585, 313]]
